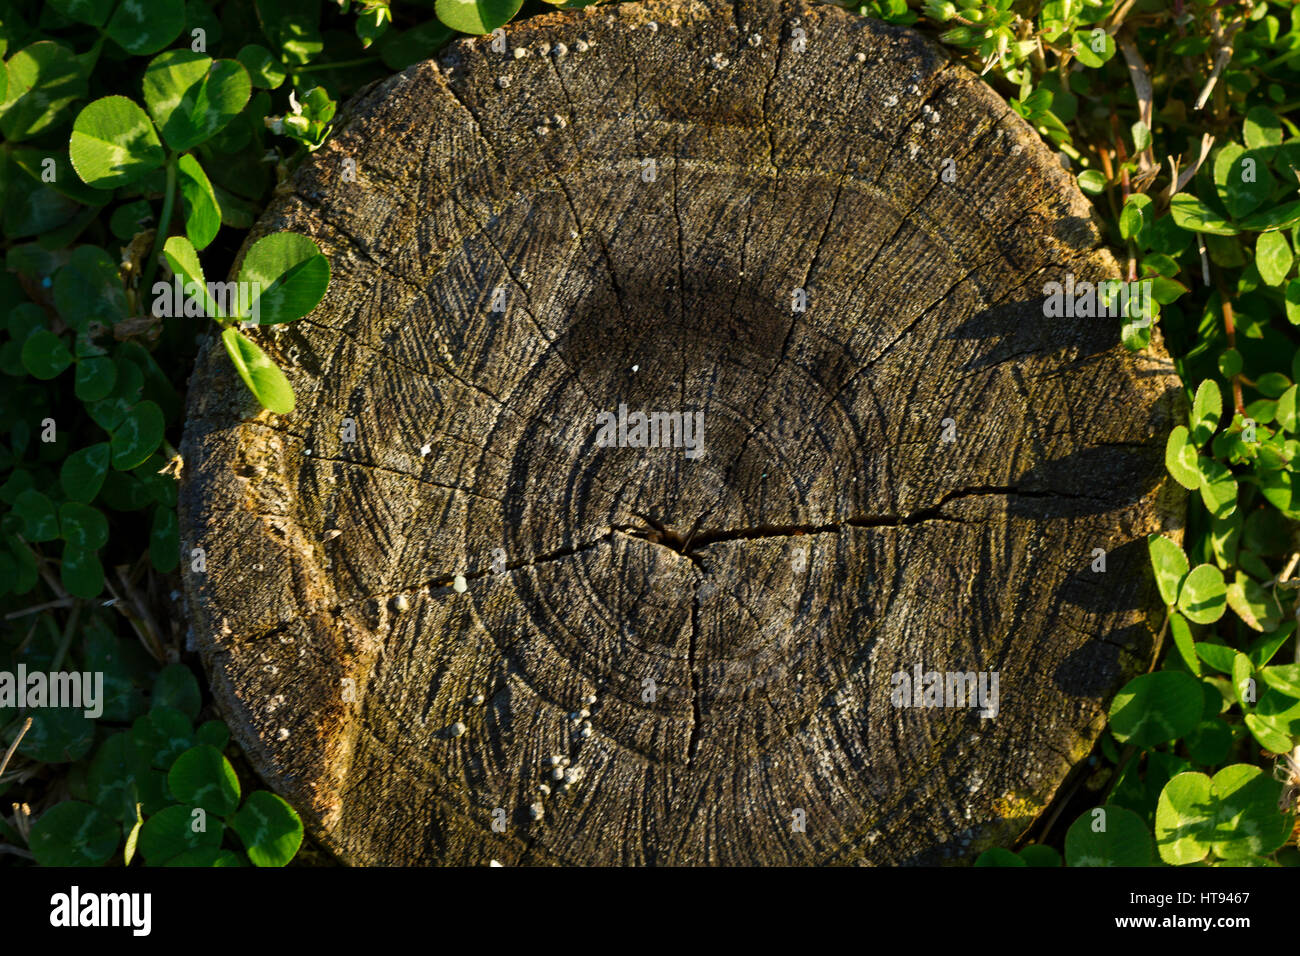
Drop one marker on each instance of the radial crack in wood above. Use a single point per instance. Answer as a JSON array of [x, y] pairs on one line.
[[451, 624]]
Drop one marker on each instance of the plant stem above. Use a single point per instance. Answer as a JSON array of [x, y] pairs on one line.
[[69, 630], [341, 65], [1278, 60], [1125, 757], [1160, 641], [1230, 328], [164, 222], [14, 746]]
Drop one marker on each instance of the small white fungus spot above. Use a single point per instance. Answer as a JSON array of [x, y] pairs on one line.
[[459, 585]]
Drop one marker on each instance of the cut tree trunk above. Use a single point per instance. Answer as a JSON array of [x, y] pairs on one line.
[[434, 587]]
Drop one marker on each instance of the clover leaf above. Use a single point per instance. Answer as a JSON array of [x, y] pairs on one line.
[[113, 143]]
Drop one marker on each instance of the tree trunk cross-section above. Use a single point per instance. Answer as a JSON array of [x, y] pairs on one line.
[[432, 579]]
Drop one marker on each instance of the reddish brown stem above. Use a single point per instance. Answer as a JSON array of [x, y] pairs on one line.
[[1229, 326]]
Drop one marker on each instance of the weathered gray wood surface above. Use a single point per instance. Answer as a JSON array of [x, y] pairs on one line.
[[776, 168]]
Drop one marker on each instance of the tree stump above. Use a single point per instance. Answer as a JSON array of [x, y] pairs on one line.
[[454, 615]]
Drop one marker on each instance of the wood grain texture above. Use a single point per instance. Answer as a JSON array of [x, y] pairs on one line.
[[776, 167]]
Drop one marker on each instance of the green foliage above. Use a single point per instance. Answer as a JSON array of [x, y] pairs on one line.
[[290, 273], [1034, 854], [139, 136], [155, 787], [477, 16], [113, 143], [1109, 836], [1155, 708], [262, 376], [102, 165], [1232, 817], [73, 834], [191, 99]]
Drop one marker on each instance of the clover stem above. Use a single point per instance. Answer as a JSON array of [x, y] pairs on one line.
[[68, 632], [1160, 641], [1278, 60], [1230, 328], [164, 221], [1125, 757], [340, 65], [91, 56]]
